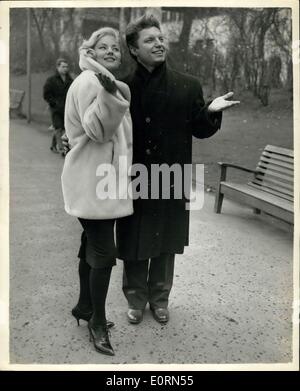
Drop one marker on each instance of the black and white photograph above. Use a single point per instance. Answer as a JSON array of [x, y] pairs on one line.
[[171, 129]]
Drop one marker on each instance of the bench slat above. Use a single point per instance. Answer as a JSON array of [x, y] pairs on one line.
[[270, 181], [14, 106], [280, 150], [273, 190], [271, 168], [273, 164], [282, 158], [257, 199], [261, 195], [266, 160], [16, 95], [15, 101], [284, 179]]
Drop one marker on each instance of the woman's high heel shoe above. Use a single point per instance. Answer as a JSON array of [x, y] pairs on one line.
[[100, 337], [79, 314]]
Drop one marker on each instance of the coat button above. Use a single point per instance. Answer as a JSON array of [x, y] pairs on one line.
[[148, 151], [148, 120]]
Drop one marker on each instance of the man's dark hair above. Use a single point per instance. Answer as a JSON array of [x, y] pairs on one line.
[[60, 60], [133, 28]]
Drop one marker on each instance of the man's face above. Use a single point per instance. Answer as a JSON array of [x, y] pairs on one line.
[[150, 48], [63, 68]]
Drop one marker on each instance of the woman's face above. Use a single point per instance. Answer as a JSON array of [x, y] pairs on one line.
[[108, 52]]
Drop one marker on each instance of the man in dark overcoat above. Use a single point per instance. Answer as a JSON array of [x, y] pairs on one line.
[[54, 93], [167, 109]]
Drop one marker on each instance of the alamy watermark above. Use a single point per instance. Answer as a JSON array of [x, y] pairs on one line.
[[161, 181]]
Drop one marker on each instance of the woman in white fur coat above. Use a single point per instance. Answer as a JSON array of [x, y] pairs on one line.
[[98, 126]]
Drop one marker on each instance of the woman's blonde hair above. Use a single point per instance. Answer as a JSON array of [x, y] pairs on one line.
[[96, 35]]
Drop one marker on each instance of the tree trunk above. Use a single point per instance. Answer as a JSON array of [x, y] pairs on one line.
[[185, 32], [39, 30]]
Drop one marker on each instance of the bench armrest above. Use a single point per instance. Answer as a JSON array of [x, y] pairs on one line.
[[224, 166]]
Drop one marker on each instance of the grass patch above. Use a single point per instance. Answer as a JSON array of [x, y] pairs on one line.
[[246, 130]]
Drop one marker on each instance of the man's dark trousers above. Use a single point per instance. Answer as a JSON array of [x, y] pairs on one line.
[[148, 281]]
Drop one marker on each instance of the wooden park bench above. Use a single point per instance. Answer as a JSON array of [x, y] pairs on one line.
[[15, 103], [270, 190]]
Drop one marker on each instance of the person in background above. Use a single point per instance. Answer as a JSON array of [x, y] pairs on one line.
[[54, 93]]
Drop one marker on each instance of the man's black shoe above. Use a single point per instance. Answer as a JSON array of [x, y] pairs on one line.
[[134, 316], [161, 315]]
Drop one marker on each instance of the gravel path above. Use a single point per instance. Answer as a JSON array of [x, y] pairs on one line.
[[232, 295]]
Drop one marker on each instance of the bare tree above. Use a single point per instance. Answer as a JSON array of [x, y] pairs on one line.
[[39, 17], [281, 33], [248, 48]]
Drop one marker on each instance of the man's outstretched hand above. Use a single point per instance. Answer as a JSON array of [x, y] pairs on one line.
[[221, 103]]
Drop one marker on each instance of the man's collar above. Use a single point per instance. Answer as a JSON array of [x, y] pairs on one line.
[[145, 74], [59, 75]]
